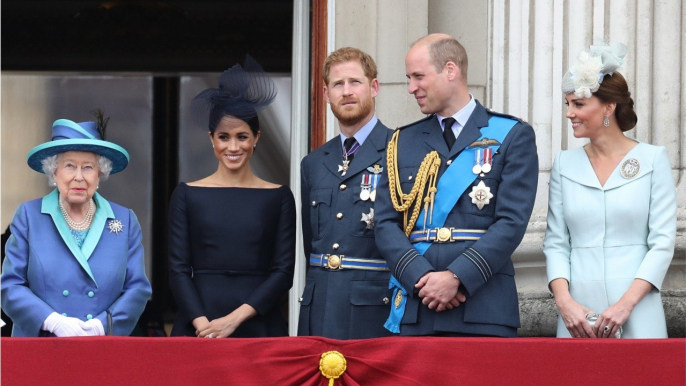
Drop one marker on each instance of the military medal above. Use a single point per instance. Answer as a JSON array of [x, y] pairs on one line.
[[481, 195], [366, 187], [376, 169], [346, 162], [369, 218], [477, 161], [343, 168], [488, 160], [115, 226], [630, 168]]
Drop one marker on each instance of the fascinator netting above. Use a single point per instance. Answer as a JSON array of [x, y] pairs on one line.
[[242, 93]]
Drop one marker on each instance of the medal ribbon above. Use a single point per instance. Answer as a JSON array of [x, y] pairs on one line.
[[352, 150], [488, 156], [451, 185]]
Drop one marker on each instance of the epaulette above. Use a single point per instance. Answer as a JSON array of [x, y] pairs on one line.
[[414, 123], [504, 115]]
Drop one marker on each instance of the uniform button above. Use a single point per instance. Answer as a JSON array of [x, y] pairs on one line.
[[339, 216], [314, 203], [91, 294], [89, 316], [65, 293], [409, 178], [386, 301], [336, 246], [64, 314], [343, 186], [449, 162]]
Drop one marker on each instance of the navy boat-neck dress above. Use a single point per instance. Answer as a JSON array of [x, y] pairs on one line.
[[227, 247]]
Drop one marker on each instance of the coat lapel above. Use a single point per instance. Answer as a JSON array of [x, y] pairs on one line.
[[102, 214], [50, 206], [369, 152], [471, 130], [577, 167], [333, 156], [434, 136], [616, 179]]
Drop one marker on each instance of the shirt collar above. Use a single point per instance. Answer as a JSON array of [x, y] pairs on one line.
[[463, 115], [364, 131]]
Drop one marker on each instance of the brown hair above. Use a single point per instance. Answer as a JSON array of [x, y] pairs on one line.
[[447, 50], [347, 54], [614, 89]]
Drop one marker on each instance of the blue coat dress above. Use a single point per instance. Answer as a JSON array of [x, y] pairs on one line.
[[601, 238], [45, 271]]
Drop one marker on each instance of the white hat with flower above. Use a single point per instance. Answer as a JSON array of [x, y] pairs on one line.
[[591, 66]]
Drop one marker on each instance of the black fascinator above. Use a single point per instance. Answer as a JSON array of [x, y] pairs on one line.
[[242, 92]]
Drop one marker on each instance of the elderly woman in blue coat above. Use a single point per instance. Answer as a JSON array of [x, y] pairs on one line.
[[74, 263], [612, 211]]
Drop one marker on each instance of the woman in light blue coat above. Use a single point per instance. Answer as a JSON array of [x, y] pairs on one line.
[[74, 263], [612, 211]]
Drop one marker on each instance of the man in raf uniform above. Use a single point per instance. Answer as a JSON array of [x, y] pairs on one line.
[[455, 203], [346, 295]]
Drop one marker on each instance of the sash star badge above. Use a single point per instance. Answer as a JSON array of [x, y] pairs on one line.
[[115, 226], [369, 218], [481, 195]]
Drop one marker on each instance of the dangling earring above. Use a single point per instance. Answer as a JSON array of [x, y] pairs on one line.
[[606, 121], [212, 146]]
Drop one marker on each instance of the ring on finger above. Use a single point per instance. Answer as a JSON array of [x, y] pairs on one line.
[[606, 329]]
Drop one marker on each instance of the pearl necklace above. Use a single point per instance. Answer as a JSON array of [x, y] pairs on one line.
[[79, 226]]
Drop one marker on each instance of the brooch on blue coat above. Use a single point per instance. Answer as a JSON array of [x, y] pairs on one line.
[[115, 226]]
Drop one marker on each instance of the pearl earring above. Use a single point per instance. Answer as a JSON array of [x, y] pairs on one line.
[[212, 146], [54, 184], [606, 121], [254, 146]]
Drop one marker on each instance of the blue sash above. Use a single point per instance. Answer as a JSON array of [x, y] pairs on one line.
[[451, 185]]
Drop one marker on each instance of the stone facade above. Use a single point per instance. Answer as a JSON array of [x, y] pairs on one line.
[[518, 52]]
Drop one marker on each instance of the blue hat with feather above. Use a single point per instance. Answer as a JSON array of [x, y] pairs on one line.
[[84, 136]]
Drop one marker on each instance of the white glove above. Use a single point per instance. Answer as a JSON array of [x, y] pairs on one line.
[[61, 325], [93, 327]]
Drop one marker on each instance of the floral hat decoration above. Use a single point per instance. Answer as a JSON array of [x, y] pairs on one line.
[[591, 66]]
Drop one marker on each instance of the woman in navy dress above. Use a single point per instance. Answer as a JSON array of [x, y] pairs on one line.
[[232, 235]]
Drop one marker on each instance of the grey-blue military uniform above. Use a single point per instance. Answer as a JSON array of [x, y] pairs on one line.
[[484, 266], [346, 294]]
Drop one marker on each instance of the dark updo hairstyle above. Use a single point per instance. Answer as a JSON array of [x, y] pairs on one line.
[[614, 89], [218, 112]]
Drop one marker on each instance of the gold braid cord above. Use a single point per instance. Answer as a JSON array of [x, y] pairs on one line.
[[428, 171]]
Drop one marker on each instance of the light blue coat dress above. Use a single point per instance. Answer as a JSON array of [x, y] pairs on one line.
[[601, 238], [45, 271]]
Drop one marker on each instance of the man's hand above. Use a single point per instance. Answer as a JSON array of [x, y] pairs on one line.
[[438, 290]]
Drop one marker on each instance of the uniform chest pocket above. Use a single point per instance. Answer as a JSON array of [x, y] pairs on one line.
[[485, 194], [407, 176], [320, 199]]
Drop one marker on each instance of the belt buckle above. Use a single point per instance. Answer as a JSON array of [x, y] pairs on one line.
[[443, 235], [333, 262]]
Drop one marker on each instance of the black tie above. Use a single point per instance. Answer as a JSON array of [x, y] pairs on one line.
[[349, 143], [448, 134]]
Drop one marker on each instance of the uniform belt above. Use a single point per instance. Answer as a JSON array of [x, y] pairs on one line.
[[338, 262], [446, 235]]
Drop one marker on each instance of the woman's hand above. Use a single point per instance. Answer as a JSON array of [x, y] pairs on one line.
[[573, 314], [613, 317], [200, 323], [226, 325], [617, 314]]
